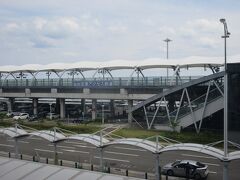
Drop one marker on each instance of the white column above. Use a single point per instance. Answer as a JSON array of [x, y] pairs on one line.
[[10, 104], [130, 105], [94, 108], [35, 105]]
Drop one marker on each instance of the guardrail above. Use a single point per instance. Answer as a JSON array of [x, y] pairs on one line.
[[97, 82]]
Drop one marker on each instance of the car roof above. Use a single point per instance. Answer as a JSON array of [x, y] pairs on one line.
[[189, 161]]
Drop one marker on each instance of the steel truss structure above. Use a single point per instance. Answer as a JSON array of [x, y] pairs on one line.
[[102, 68], [183, 105]]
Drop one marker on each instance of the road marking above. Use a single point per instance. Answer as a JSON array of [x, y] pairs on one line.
[[206, 157], [71, 150], [24, 142], [76, 143], [70, 147], [211, 164], [35, 138], [212, 172], [45, 150], [85, 146], [133, 149], [125, 154], [111, 159], [7, 145]]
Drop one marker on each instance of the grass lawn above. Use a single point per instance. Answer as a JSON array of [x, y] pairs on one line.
[[184, 137]]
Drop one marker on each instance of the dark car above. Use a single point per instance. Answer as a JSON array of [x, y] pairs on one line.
[[33, 117], [196, 169]]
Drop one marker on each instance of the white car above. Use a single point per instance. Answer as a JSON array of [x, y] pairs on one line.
[[21, 116]]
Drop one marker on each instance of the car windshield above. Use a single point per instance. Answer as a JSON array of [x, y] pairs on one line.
[[200, 164]]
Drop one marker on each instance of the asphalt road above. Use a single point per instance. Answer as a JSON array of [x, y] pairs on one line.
[[117, 156]]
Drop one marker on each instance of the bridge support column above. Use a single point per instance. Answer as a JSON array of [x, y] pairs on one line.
[[62, 108], [57, 107], [94, 109], [83, 105], [35, 106], [112, 108], [10, 104], [130, 105]]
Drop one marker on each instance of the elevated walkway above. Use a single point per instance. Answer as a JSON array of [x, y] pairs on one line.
[[187, 110], [200, 112]]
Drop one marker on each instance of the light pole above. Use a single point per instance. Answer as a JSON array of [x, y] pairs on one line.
[[226, 35], [102, 113], [167, 41]]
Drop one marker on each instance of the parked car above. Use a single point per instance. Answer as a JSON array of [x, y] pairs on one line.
[[33, 117], [197, 170], [11, 114], [54, 116], [21, 116]]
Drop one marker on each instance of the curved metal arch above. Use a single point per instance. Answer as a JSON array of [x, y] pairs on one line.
[[49, 135], [208, 150], [234, 156], [14, 132], [142, 143], [89, 138]]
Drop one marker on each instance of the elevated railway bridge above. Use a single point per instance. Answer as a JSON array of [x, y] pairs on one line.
[[163, 102]]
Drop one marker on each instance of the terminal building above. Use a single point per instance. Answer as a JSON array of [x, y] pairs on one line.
[[188, 96]]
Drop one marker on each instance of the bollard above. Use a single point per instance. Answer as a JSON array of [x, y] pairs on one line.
[[126, 172], [146, 176], [166, 177], [76, 165], [33, 158], [61, 163], [20, 156], [91, 167], [46, 160], [9, 154]]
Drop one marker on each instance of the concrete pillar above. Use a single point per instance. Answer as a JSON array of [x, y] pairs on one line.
[[130, 105], [57, 107], [35, 106], [112, 108], [94, 109], [10, 104], [62, 108], [83, 109]]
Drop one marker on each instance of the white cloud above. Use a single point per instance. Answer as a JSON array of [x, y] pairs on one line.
[[204, 25], [60, 28], [118, 29], [209, 42]]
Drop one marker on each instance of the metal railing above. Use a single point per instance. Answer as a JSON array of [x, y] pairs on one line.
[[97, 82]]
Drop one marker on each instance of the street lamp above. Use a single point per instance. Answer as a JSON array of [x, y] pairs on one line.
[[226, 35], [167, 41], [102, 113]]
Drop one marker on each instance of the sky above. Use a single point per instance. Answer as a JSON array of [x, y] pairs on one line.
[[50, 31]]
